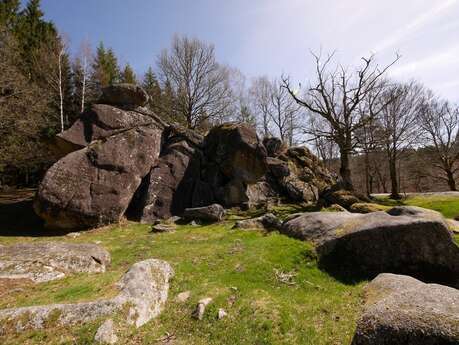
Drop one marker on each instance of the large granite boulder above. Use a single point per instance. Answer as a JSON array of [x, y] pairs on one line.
[[367, 244], [94, 186], [45, 261], [124, 95], [100, 122], [234, 159], [403, 310], [168, 189]]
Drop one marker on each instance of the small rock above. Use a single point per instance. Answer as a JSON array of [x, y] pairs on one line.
[[198, 313], [106, 333], [193, 223], [163, 228], [173, 219], [221, 313], [124, 94], [74, 234], [210, 213], [183, 296]]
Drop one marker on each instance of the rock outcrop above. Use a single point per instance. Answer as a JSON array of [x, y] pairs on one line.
[[403, 310], [143, 290], [94, 186], [121, 159], [46, 261], [420, 245]]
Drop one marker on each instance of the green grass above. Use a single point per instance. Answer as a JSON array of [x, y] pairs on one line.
[[236, 268], [448, 205]]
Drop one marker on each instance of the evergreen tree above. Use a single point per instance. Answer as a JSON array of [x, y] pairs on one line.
[[151, 85], [128, 75], [32, 33], [9, 10], [105, 67]]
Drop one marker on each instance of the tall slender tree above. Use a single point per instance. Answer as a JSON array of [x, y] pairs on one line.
[[128, 75]]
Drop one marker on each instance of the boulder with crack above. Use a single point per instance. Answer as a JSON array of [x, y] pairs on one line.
[[397, 241], [94, 186], [402, 310], [45, 261], [143, 289]]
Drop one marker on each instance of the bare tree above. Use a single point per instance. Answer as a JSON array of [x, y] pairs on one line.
[[260, 92], [439, 121], [335, 95], [199, 82], [85, 56], [401, 105], [278, 111], [326, 149]]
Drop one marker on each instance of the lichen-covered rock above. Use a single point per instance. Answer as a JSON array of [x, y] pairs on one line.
[[403, 310], [124, 95], [45, 261], [143, 289], [365, 207], [369, 244], [267, 221], [211, 213], [94, 186], [106, 333], [298, 175]]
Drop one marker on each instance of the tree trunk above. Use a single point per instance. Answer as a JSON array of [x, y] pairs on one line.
[[345, 171], [367, 174], [451, 181], [393, 177]]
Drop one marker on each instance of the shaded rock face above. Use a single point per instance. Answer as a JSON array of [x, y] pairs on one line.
[[46, 261], [368, 244], [234, 159], [403, 310], [124, 95], [168, 188], [143, 290], [94, 186]]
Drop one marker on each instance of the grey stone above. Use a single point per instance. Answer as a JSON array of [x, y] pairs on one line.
[[268, 221], [403, 310], [144, 289], [163, 227], [419, 245], [183, 296], [124, 95], [106, 333], [211, 213], [45, 261], [200, 309], [221, 313]]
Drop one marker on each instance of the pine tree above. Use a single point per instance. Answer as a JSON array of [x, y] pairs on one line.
[[128, 75], [32, 33], [151, 85], [9, 10], [112, 68], [105, 67]]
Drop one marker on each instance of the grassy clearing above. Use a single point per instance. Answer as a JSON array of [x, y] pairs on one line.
[[446, 204], [236, 268], [239, 269]]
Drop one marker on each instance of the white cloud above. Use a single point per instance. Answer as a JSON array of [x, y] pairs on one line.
[[416, 24]]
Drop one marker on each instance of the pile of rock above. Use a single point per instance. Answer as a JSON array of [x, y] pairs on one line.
[[119, 158]]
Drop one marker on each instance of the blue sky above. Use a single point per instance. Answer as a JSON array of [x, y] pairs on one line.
[[273, 37]]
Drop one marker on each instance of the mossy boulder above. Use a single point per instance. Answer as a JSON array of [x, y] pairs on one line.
[[364, 207]]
